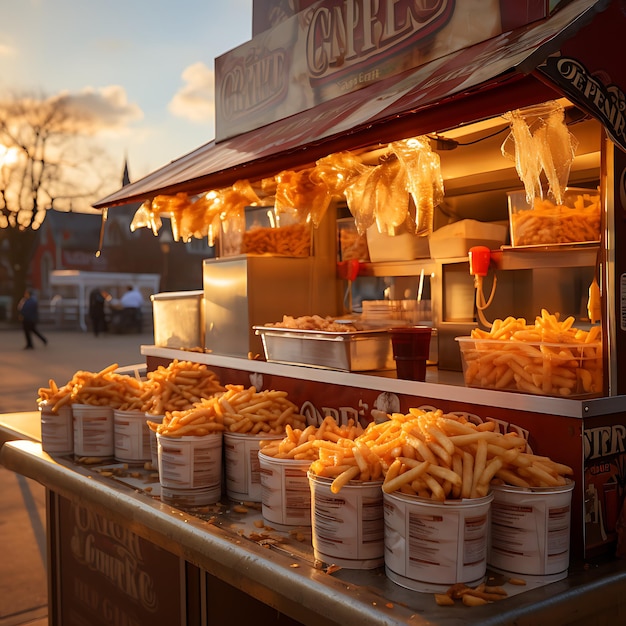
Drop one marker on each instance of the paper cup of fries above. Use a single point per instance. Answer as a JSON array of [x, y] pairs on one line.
[[242, 467], [190, 468], [57, 431], [131, 437], [530, 530], [285, 491], [430, 543], [93, 431], [347, 527]]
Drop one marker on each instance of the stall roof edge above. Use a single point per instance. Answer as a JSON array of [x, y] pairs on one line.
[[454, 90]]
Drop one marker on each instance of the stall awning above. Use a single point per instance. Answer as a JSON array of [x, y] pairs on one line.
[[516, 69]]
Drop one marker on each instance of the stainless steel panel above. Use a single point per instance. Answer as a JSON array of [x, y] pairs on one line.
[[247, 290]]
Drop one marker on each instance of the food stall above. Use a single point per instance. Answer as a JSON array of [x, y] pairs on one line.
[[222, 564]]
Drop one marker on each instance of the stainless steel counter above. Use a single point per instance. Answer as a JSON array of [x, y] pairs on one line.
[[279, 570]]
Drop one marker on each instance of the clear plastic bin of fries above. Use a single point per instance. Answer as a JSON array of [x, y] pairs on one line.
[[576, 220], [265, 230], [549, 357]]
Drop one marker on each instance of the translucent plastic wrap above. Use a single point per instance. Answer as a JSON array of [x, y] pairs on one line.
[[380, 194], [337, 171], [540, 142], [304, 193], [149, 213], [202, 218], [385, 190], [424, 180], [145, 217]]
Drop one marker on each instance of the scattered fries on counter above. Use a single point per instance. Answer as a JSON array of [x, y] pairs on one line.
[[484, 593], [237, 410], [178, 387], [549, 357], [436, 456]]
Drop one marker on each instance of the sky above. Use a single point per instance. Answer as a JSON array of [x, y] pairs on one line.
[[145, 66]]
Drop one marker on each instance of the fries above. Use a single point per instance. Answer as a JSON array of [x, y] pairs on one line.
[[178, 387], [237, 410], [313, 322], [550, 357], [103, 388], [300, 443], [547, 223], [291, 240], [436, 456]]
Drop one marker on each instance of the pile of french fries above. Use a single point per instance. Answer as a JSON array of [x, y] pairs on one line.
[[103, 388], [291, 240], [436, 456], [547, 223], [313, 322], [178, 386], [236, 409], [305, 444], [549, 357]]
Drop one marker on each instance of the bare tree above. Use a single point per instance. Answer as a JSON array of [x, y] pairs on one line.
[[48, 159]]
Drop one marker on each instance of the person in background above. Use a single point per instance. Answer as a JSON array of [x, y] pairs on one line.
[[97, 299], [28, 309], [131, 303]]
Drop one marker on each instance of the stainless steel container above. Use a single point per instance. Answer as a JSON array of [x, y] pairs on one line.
[[346, 351], [178, 319]]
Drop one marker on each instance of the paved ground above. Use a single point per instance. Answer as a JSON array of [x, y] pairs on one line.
[[23, 584]]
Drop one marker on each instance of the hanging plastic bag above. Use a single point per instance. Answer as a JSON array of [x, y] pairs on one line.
[[424, 179], [540, 141], [308, 196]]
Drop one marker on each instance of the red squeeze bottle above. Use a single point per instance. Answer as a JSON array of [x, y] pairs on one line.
[[479, 259]]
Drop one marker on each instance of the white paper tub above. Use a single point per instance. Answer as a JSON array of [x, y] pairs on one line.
[[93, 431], [191, 463], [286, 495], [241, 460], [347, 527], [432, 544], [131, 437], [154, 455], [530, 531], [57, 430]]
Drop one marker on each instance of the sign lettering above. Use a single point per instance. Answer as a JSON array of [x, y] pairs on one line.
[[345, 36]]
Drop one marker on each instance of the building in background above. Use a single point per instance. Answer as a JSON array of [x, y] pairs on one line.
[[70, 242]]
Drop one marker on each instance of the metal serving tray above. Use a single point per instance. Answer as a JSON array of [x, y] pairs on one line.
[[357, 351]]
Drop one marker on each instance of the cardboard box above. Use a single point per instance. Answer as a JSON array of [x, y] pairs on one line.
[[455, 240]]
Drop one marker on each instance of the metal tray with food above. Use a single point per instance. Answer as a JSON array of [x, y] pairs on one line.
[[350, 351]]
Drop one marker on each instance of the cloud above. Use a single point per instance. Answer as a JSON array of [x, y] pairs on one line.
[[106, 109], [195, 101]]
